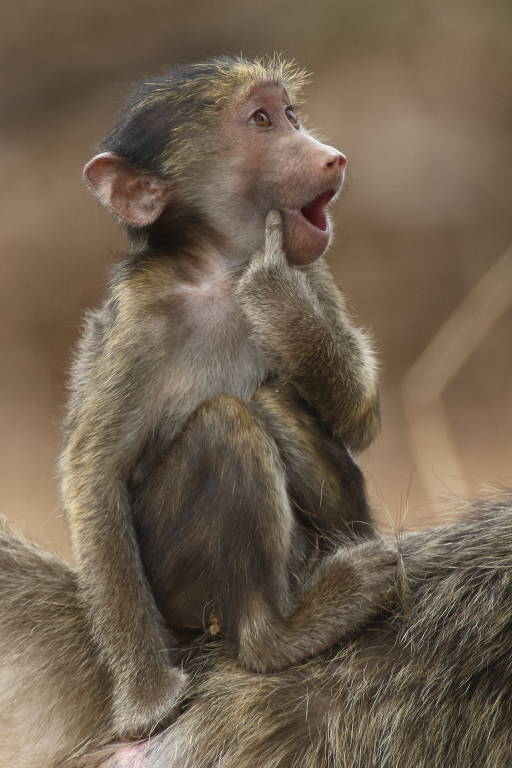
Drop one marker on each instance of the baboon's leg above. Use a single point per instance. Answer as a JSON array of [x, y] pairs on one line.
[[223, 537]]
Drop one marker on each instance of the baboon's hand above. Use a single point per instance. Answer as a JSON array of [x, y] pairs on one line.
[[356, 583], [272, 256], [273, 294], [142, 711], [369, 572]]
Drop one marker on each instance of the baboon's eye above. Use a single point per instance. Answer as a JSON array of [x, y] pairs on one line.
[[261, 119], [292, 117]]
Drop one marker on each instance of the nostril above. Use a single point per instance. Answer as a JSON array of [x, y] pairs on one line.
[[336, 160]]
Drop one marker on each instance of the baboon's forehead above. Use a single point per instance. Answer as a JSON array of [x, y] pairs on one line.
[[166, 123], [211, 85]]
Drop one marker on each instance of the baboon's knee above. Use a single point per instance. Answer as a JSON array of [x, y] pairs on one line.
[[226, 415]]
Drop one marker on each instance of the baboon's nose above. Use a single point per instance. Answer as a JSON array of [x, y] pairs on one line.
[[334, 160]]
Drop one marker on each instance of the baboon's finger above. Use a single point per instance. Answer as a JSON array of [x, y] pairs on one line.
[[274, 237]]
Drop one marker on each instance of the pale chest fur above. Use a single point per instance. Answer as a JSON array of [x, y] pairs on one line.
[[209, 350]]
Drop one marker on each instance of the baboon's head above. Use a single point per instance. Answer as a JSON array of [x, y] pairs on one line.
[[219, 144]]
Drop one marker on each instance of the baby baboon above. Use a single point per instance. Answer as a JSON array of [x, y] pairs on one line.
[[217, 391]]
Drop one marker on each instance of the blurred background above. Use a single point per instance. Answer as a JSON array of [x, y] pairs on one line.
[[417, 93]]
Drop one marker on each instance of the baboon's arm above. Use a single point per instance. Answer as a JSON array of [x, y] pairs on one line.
[[357, 375], [109, 432], [299, 319]]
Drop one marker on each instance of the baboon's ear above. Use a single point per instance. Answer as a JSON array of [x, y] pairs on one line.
[[138, 199]]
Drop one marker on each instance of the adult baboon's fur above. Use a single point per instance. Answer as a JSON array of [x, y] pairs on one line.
[[430, 686]]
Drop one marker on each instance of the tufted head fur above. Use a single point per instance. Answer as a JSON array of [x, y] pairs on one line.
[[167, 122]]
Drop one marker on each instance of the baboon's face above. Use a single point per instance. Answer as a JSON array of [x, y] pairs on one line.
[[274, 162], [254, 157]]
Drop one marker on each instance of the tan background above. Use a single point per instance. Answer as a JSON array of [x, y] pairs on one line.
[[418, 94]]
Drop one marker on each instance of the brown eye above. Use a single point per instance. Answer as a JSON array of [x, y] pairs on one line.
[[292, 117], [261, 119]]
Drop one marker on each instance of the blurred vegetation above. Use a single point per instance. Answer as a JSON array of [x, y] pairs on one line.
[[416, 92]]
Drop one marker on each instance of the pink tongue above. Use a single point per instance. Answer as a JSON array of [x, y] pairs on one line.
[[314, 212]]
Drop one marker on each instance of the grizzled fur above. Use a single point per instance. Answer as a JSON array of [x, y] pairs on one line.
[[428, 687], [215, 396], [46, 656]]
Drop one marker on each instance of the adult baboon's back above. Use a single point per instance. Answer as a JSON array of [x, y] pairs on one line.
[[431, 686]]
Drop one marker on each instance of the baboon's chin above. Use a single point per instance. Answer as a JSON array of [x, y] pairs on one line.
[[304, 242]]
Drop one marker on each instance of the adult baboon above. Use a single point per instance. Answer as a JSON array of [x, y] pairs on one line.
[[430, 685]]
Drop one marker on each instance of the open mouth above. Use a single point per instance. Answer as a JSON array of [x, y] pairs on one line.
[[316, 211]]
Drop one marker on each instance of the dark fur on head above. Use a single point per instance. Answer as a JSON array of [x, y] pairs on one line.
[[165, 126]]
